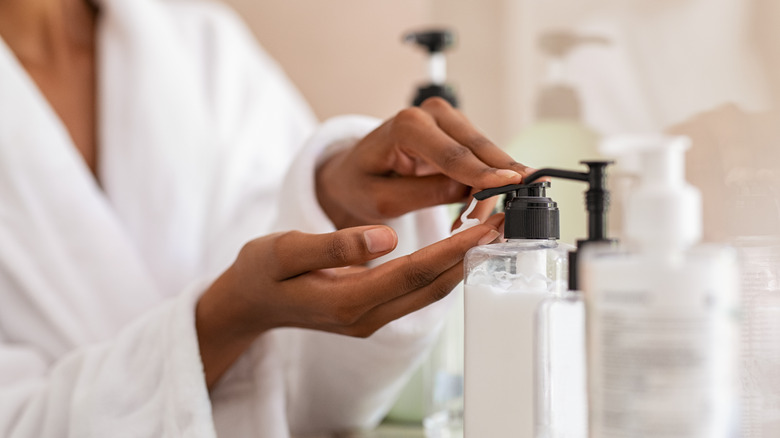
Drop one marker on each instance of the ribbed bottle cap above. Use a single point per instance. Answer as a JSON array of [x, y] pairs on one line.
[[530, 214]]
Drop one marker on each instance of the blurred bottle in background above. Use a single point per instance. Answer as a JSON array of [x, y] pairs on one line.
[[558, 137]]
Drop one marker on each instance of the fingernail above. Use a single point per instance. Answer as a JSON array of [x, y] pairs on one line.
[[508, 174], [488, 237], [379, 240]]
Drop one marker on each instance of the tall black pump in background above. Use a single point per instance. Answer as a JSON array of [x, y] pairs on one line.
[[435, 42]]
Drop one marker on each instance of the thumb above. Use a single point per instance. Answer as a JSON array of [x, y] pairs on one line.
[[297, 253]]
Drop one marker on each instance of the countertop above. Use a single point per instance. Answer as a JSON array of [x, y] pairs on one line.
[[383, 431]]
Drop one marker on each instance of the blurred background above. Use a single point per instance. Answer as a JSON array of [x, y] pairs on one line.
[[685, 56]]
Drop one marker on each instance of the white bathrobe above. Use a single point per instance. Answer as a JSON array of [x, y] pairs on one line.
[[203, 146]]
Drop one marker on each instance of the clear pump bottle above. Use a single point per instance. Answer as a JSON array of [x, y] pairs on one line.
[[756, 237], [560, 378], [504, 284], [661, 314]]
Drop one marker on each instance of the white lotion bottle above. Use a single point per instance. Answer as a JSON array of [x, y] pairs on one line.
[[661, 315], [503, 286]]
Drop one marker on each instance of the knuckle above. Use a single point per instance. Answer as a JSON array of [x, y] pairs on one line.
[[435, 103], [284, 240], [337, 249], [478, 142], [409, 116], [345, 315], [454, 154], [260, 251], [439, 291], [418, 277]]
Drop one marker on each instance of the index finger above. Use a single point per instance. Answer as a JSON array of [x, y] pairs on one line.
[[457, 126], [417, 270]]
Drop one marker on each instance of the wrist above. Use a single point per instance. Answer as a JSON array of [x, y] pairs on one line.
[[220, 323]]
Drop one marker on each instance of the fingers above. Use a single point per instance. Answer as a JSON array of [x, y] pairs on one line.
[[419, 297], [409, 193], [296, 253], [419, 135], [379, 316], [490, 158], [422, 268]]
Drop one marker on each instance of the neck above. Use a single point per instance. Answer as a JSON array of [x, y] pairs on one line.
[[38, 30]]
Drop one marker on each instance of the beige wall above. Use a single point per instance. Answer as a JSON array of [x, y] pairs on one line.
[[346, 56]]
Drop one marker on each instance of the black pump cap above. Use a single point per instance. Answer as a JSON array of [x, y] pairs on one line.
[[530, 214], [446, 92], [436, 40]]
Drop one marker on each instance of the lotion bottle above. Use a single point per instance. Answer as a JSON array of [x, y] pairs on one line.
[[756, 238], [503, 286], [661, 313]]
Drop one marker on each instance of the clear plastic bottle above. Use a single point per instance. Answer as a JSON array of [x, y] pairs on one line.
[[755, 227], [560, 378], [561, 400], [504, 284], [759, 258], [662, 315]]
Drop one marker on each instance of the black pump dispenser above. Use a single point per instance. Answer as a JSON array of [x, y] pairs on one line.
[[596, 201], [435, 42], [530, 214]]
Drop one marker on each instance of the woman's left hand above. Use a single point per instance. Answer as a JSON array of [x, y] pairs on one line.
[[424, 156]]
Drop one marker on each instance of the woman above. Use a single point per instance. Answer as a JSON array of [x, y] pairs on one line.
[[145, 145]]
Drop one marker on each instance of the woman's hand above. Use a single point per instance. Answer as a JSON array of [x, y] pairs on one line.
[[422, 157], [315, 281]]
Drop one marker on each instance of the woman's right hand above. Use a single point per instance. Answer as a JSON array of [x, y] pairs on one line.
[[316, 281]]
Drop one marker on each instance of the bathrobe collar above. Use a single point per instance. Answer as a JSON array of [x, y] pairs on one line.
[[110, 251]]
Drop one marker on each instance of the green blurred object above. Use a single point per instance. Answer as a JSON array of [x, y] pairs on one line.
[[561, 144], [410, 406]]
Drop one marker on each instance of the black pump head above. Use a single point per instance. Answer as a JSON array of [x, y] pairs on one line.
[[437, 40], [530, 214]]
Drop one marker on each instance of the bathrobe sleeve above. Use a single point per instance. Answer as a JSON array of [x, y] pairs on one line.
[[146, 382]]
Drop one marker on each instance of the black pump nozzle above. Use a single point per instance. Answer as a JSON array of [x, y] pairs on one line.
[[596, 198], [436, 42], [596, 201]]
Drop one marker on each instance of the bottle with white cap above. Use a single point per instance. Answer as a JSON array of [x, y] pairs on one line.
[[661, 313]]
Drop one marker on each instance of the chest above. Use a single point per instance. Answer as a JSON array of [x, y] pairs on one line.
[[69, 87]]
